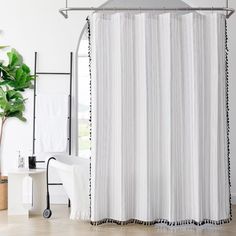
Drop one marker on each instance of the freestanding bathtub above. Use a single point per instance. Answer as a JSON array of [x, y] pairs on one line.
[[74, 175]]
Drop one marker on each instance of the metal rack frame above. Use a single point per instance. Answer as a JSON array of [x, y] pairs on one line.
[[36, 73], [229, 11], [70, 74]]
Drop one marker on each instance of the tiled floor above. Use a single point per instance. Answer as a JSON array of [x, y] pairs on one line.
[[60, 225]]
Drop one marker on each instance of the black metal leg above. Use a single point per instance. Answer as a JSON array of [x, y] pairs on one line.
[[68, 202], [47, 212]]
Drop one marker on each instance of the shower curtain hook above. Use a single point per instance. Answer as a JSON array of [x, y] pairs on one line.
[[176, 11], [164, 9]]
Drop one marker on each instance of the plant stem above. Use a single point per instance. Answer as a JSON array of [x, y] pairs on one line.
[[1, 134]]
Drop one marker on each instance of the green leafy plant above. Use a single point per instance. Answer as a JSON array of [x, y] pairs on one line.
[[15, 78]]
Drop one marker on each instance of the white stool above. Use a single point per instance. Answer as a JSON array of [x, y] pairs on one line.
[[15, 192]]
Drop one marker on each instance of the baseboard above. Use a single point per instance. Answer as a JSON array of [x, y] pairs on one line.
[[233, 198]]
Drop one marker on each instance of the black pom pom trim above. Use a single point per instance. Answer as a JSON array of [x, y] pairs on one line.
[[161, 221], [227, 112], [90, 107]]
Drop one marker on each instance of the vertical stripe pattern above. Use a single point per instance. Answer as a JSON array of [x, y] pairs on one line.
[[160, 129]]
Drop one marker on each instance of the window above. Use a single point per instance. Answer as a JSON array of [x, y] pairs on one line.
[[83, 98]]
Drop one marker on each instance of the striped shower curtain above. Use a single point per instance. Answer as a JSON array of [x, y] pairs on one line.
[[159, 118]]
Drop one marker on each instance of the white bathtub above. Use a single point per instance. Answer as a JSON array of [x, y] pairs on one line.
[[74, 174]]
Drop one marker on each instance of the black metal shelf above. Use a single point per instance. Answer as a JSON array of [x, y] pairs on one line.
[[52, 73]]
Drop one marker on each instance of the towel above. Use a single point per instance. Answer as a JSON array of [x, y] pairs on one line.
[[27, 192], [52, 122]]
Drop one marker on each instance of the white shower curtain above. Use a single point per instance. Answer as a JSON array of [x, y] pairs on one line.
[[159, 112]]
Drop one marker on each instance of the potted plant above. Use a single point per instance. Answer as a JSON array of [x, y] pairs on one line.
[[15, 78]]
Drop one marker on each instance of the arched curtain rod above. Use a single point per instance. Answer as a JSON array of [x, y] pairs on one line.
[[64, 11]]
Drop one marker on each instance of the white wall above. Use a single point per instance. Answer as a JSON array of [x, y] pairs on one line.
[[36, 25]]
